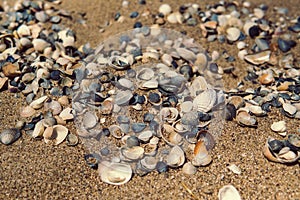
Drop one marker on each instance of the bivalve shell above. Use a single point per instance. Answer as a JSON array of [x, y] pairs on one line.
[[229, 192], [205, 101], [114, 173], [175, 157], [279, 127]]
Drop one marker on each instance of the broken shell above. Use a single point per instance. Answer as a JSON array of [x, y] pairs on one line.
[[175, 157], [27, 111], [257, 110], [66, 114], [3, 82], [145, 136], [259, 58], [229, 192], [116, 131], [38, 129], [133, 153], [150, 149], [60, 132], [289, 108], [205, 101], [235, 169], [170, 136], [168, 114], [114, 173], [279, 127], [38, 103], [266, 79], [179, 127], [48, 134], [54, 106], [8, 136], [10, 70], [189, 169], [145, 74], [201, 155]]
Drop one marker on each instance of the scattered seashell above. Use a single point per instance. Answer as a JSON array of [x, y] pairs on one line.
[[114, 173], [3, 82], [116, 131], [233, 34], [245, 119], [279, 127], [229, 192], [165, 9], [133, 153], [9, 136], [60, 132], [175, 157], [38, 103], [10, 70], [189, 169], [259, 58], [201, 155], [170, 136], [38, 129], [168, 114], [235, 169], [205, 101], [27, 111], [289, 108], [72, 139], [89, 120], [266, 79], [66, 114]]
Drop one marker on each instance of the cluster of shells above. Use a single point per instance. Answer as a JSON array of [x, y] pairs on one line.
[[143, 104]]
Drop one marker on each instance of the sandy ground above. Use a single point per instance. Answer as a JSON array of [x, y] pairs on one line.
[[31, 169]]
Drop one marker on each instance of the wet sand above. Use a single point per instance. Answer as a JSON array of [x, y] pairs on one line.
[[30, 169]]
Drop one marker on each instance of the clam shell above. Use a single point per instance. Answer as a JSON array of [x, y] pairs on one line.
[[149, 162], [170, 136], [66, 114], [179, 127], [189, 169], [205, 101], [38, 129], [145, 74], [118, 62], [237, 101], [289, 108], [201, 155], [114, 173], [8, 136], [54, 106], [116, 131], [229, 192], [168, 114], [294, 140], [245, 119], [257, 110], [259, 58], [145, 135], [133, 153], [60, 133], [72, 139], [48, 134], [38, 103], [27, 111], [175, 157], [150, 149], [279, 127], [89, 120]]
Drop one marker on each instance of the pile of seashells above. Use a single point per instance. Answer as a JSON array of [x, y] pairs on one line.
[[144, 101]]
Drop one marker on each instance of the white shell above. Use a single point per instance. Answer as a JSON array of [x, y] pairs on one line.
[[38, 129], [114, 173], [170, 136], [145, 135], [27, 111], [116, 131], [38, 103], [229, 192], [149, 162], [176, 157], [60, 132], [66, 114], [133, 153], [205, 101], [289, 108], [279, 127], [89, 120], [189, 169], [201, 155]]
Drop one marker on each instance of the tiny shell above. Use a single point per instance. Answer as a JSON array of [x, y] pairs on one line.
[[235, 169], [205, 101], [89, 120], [133, 153], [244, 118], [116, 131], [201, 155]]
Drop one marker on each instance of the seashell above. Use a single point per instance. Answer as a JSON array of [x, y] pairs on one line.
[[279, 127], [233, 34], [151, 84], [89, 120], [114, 173], [72, 139], [133, 153], [245, 119], [258, 58], [60, 132], [175, 17], [266, 79], [3, 82], [130, 141], [207, 138], [288, 155], [49, 121], [199, 84], [126, 84], [294, 141], [66, 114], [205, 101], [289, 108], [145, 74], [10, 70], [179, 127], [145, 135], [189, 169], [59, 120], [201, 155], [201, 62], [116, 131], [149, 162], [41, 16], [186, 54], [257, 110], [23, 30], [176, 157], [147, 55], [107, 106], [67, 37], [150, 149], [28, 77], [167, 59], [155, 98], [27, 111], [123, 97], [38, 129], [190, 119], [229, 192], [169, 135], [235, 169], [9, 136], [237, 101], [63, 100], [168, 114], [48, 134], [54, 106], [118, 62], [40, 44], [38, 103], [165, 9]]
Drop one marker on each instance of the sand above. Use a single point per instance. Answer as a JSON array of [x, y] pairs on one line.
[[30, 169]]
